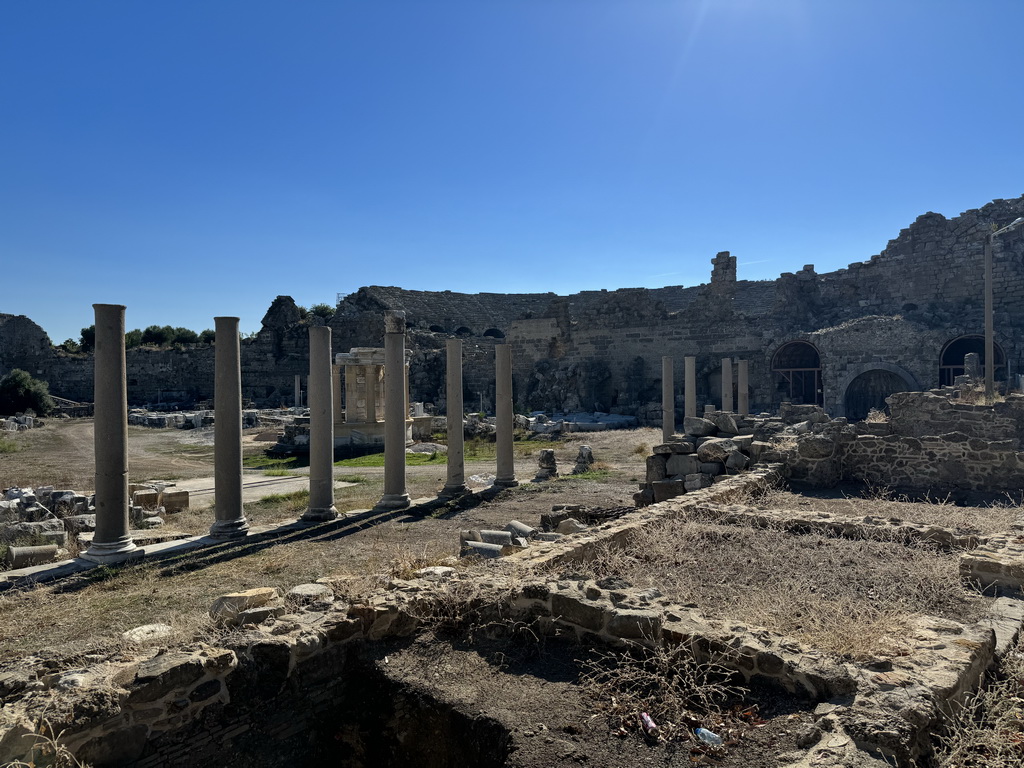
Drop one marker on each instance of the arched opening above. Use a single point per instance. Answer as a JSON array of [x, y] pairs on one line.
[[796, 370], [463, 331], [437, 329], [951, 361], [869, 390], [494, 333]]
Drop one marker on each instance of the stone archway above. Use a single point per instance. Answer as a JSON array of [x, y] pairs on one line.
[[867, 385], [951, 360], [796, 373]]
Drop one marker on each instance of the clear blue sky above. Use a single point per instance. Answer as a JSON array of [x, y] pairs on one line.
[[193, 159]]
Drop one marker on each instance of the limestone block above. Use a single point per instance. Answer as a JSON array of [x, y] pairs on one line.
[[664, 490], [711, 467], [570, 525], [736, 461], [306, 594], [726, 422], [174, 501], [816, 447], [681, 464], [656, 467], [147, 498], [227, 607], [717, 449], [149, 633], [698, 427]]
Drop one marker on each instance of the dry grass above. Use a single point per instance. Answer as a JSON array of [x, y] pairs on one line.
[[849, 598], [664, 682], [880, 502], [988, 731]]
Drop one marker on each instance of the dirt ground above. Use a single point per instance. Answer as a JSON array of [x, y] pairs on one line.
[[96, 608], [535, 690]]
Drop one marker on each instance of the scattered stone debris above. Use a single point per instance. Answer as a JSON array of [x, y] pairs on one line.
[[547, 466], [20, 423], [584, 460]]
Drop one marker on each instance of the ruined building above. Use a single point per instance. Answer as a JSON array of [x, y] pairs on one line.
[[901, 320]]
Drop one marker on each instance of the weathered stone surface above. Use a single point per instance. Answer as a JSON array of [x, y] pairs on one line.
[[227, 607], [716, 449], [634, 624], [149, 633], [698, 427], [816, 447], [680, 464], [578, 610], [305, 594]]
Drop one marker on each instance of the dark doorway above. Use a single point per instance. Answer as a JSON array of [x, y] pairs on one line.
[[951, 362], [796, 370], [869, 390]]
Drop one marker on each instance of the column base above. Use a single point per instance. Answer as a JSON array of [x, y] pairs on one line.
[[110, 551], [394, 501], [453, 491], [506, 482], [320, 515], [229, 529]]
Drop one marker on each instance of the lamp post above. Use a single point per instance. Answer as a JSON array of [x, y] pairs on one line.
[[990, 357]]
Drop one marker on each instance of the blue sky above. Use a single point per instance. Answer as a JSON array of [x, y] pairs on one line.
[[194, 159]]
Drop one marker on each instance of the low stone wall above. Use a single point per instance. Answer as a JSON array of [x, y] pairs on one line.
[[917, 414]]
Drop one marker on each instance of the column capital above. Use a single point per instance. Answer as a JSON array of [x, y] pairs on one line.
[[394, 321]]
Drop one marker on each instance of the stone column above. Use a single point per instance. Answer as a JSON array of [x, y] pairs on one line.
[[351, 394], [395, 495], [370, 383], [230, 519], [336, 392], [690, 383], [111, 541], [298, 391], [668, 400], [504, 421], [456, 482], [321, 427], [743, 387], [726, 383]]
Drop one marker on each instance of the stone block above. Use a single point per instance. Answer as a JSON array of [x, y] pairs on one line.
[[656, 466], [225, 609], [668, 489], [698, 427], [578, 610], [174, 501], [716, 450], [681, 464], [633, 624], [147, 499]]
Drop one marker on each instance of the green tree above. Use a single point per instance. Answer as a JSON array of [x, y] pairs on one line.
[[132, 338], [70, 345], [159, 336], [208, 336], [19, 392], [185, 336], [326, 311], [88, 342]]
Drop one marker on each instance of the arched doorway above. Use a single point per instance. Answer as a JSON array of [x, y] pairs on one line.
[[796, 371], [951, 361], [869, 390]]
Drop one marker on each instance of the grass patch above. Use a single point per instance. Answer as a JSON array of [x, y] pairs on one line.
[[263, 461], [852, 598], [278, 472], [284, 502], [377, 460], [351, 478], [8, 446], [594, 474]]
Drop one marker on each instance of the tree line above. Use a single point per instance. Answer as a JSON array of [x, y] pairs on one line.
[[169, 336]]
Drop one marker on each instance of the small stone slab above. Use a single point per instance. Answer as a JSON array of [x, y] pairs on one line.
[[148, 633], [305, 594], [227, 607]]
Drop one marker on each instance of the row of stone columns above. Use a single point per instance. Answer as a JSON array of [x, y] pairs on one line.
[[668, 398]]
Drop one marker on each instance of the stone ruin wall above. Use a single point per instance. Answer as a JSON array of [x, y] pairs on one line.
[[601, 350]]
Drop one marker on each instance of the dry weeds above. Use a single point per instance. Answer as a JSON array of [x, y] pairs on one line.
[[988, 731], [882, 503], [849, 598]]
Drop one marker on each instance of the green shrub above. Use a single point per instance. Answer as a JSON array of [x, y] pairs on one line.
[[19, 392]]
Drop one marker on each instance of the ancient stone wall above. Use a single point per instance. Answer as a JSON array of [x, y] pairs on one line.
[[879, 326]]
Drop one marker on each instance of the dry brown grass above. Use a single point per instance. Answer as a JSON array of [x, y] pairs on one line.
[[988, 731], [880, 502], [849, 598]]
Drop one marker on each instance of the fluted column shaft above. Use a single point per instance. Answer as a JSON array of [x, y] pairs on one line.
[[456, 482], [743, 387], [395, 495], [726, 383], [111, 540], [321, 426], [690, 384], [668, 400], [229, 515], [504, 418]]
